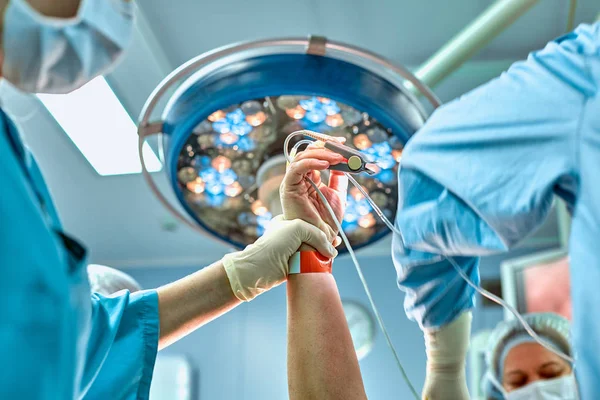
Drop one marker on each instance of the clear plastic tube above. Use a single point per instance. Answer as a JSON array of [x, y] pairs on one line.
[[372, 203], [297, 146], [286, 144]]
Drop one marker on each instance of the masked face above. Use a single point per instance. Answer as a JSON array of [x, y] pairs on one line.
[[55, 55], [533, 372], [529, 362]]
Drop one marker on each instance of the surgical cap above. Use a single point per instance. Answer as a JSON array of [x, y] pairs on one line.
[[549, 326], [106, 280]]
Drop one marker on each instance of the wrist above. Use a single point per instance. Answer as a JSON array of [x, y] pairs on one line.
[[306, 262], [447, 347], [330, 231], [248, 276]]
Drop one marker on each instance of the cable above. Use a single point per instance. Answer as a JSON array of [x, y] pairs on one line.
[[510, 308], [372, 203], [297, 145]]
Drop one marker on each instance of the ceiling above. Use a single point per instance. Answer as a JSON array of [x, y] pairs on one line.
[[118, 218]]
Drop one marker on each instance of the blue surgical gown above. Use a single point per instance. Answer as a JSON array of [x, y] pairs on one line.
[[56, 340], [481, 175]]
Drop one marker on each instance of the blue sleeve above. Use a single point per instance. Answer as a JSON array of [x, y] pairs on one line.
[[122, 346], [480, 175], [435, 293]]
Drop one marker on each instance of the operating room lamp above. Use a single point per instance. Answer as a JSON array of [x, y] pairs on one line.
[[223, 130]]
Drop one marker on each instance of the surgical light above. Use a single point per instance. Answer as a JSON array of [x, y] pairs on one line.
[[224, 127], [242, 102]]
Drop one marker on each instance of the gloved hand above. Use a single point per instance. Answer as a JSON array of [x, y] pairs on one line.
[[300, 200], [264, 264], [446, 355]]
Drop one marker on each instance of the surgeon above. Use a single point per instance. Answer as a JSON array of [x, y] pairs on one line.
[[520, 368], [57, 341], [480, 176]]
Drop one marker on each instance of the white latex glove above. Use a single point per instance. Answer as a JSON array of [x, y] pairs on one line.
[[446, 356], [264, 264]]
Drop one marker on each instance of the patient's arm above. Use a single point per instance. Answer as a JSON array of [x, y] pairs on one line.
[[322, 363]]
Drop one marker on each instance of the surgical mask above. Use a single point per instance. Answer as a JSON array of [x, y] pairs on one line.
[[564, 388], [56, 55]]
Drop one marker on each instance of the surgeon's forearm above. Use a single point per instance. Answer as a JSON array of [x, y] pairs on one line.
[[193, 301], [322, 363]]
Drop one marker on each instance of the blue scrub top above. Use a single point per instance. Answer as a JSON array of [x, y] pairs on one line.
[[56, 340], [481, 175]]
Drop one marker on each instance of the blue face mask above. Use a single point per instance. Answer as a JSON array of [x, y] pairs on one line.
[[564, 388], [55, 55]]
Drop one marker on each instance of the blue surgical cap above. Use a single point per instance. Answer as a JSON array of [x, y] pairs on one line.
[[107, 280], [551, 327]]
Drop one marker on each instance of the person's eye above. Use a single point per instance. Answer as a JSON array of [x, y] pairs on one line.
[[549, 374], [551, 371], [515, 382]]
